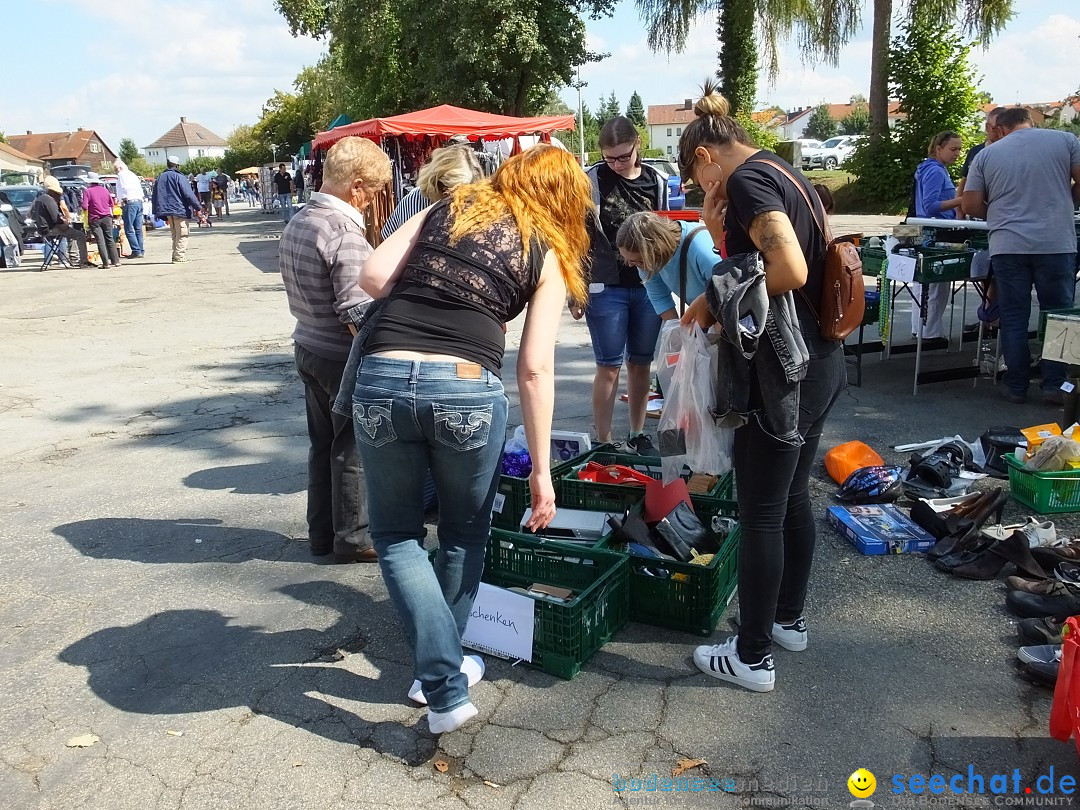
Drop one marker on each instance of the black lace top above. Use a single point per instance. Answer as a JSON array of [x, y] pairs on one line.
[[455, 299]]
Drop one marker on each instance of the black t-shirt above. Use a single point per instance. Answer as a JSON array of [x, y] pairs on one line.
[[756, 188], [283, 183], [619, 198], [972, 152]]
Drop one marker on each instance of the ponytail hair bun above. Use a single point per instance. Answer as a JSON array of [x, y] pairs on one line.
[[712, 101]]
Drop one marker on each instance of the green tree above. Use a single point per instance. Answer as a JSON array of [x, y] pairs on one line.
[[3, 138], [936, 87], [635, 110], [607, 109], [128, 150], [982, 18], [200, 164], [821, 126], [402, 55], [856, 122], [738, 55], [244, 149]]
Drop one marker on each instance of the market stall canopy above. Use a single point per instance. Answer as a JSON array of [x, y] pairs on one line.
[[445, 121], [251, 170]]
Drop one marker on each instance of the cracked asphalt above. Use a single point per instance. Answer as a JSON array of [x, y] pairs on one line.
[[156, 591]]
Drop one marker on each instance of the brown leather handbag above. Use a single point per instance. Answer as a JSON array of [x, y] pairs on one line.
[[843, 295]]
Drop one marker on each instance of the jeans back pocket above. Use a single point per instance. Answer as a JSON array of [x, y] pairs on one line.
[[462, 427], [373, 422]]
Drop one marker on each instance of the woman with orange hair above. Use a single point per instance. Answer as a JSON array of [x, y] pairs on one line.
[[429, 394]]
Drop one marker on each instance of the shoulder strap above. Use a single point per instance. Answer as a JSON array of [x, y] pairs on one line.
[[819, 220], [684, 250], [822, 222]]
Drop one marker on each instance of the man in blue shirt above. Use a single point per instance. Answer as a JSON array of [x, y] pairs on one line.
[[175, 202]]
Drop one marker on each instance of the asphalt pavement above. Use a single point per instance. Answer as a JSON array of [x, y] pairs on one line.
[[166, 640]]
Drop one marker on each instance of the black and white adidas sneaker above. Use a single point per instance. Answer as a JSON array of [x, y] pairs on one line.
[[790, 636], [722, 662]]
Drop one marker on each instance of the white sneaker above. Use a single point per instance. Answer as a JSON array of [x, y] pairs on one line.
[[791, 636], [472, 666], [445, 722], [722, 662], [1039, 534]]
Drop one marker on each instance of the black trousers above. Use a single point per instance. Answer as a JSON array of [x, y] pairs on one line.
[[778, 528], [102, 231], [337, 496]]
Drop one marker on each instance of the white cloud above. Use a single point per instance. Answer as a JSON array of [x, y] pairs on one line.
[[1032, 65], [138, 66]]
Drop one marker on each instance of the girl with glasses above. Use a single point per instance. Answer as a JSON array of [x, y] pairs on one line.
[[622, 321]]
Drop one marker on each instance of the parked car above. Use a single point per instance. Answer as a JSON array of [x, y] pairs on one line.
[[831, 154], [807, 147], [676, 194], [73, 171], [22, 197]]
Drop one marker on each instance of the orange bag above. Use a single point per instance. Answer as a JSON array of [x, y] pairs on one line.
[[846, 458], [613, 474], [1065, 713]]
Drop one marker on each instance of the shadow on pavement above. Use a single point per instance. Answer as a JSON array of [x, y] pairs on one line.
[[178, 541], [183, 661], [262, 253], [266, 478]]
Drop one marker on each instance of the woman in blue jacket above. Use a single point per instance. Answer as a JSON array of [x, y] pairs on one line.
[[656, 247], [935, 197]]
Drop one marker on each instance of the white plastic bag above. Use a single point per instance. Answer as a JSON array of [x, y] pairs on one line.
[[687, 434]]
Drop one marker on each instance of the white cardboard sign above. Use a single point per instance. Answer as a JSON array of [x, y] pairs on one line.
[[501, 623]]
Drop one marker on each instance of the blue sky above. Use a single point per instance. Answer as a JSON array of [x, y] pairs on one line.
[[132, 68]]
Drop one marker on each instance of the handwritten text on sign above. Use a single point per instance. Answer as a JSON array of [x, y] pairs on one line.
[[501, 623]]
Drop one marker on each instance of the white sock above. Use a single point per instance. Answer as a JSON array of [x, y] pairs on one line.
[[445, 722], [472, 667]]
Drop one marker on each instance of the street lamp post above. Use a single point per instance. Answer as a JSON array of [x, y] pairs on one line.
[[273, 153], [581, 113]]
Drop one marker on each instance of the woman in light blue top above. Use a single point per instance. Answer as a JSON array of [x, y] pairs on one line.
[[656, 246]]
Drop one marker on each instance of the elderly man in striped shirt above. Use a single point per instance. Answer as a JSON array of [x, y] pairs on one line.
[[320, 255]]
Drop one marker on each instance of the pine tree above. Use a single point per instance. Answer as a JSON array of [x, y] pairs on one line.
[[635, 110], [821, 125]]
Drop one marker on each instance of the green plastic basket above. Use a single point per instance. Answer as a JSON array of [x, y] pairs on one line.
[[567, 635], [693, 597], [573, 493], [1046, 492], [514, 495], [937, 264]]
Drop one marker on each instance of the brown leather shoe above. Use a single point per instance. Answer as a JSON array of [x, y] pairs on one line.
[[365, 555], [1043, 587]]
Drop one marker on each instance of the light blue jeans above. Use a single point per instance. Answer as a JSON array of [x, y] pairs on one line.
[[286, 206], [133, 225], [410, 417]]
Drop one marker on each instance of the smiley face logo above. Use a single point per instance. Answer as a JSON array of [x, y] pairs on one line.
[[862, 784]]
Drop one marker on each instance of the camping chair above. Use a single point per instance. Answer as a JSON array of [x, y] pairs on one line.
[[50, 247]]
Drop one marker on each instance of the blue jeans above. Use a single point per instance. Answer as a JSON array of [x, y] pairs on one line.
[[133, 225], [286, 206], [621, 321], [1054, 278], [411, 417]]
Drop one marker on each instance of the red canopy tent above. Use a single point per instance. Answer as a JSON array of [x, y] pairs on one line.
[[445, 121]]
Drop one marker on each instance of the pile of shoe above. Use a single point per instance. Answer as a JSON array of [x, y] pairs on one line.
[[1043, 605], [969, 549]]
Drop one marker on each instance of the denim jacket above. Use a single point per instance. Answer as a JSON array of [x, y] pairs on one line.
[[737, 299], [363, 318]]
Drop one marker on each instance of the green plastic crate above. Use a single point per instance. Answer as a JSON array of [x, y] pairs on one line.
[[1047, 493], [565, 636], [694, 597], [514, 495], [937, 265], [573, 493]]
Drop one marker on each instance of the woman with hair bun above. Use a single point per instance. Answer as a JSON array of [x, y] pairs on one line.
[[766, 212], [621, 320]]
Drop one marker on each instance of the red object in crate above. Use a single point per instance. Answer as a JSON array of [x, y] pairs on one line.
[[1065, 714], [686, 215], [612, 474]]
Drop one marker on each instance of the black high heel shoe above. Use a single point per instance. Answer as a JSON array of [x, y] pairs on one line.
[[967, 537]]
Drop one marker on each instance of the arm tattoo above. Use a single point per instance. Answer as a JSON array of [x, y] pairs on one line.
[[768, 232]]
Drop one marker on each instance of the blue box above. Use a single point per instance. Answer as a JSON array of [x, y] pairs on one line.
[[880, 529]]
